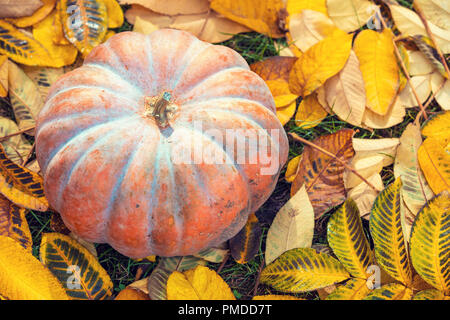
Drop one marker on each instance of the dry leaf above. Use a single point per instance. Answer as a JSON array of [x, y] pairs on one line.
[[395, 115], [319, 63], [309, 27], [115, 13], [441, 90], [286, 113], [293, 226], [422, 86], [61, 55], [245, 245], [16, 147], [345, 93], [43, 77], [323, 175], [263, 16], [350, 15], [3, 76], [378, 64], [310, 112], [364, 196], [130, 293], [172, 7], [434, 160], [13, 223], [18, 8], [37, 16], [419, 65], [436, 11], [409, 24]]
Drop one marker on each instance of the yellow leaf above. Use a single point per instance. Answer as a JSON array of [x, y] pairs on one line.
[[310, 113], [115, 14], [409, 24], [309, 27], [386, 230], [172, 7], [43, 78], [85, 23], [430, 294], [22, 48], [20, 185], [319, 63], [13, 223], [73, 265], [61, 55], [3, 76], [37, 16], [434, 160], [293, 226], [291, 168], [16, 147], [285, 114], [438, 127], [378, 64], [297, 6], [263, 16], [303, 269], [350, 15], [24, 277], [131, 294], [345, 234], [200, 283], [345, 92], [430, 236], [25, 98], [57, 28]]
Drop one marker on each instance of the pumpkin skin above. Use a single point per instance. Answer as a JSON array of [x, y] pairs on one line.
[[110, 169]]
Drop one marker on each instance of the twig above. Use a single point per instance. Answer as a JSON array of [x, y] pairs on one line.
[[29, 154], [255, 289], [16, 133], [225, 259], [298, 138], [431, 35], [404, 69]]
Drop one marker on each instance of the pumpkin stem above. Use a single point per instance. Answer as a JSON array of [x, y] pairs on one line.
[[160, 110]]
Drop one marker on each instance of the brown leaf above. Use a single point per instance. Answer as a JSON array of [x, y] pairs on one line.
[[18, 8], [323, 175], [274, 68], [245, 245]]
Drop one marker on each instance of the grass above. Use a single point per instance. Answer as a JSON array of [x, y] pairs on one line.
[[242, 278]]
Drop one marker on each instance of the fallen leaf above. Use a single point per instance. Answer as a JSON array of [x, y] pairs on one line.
[[395, 115], [345, 92], [3, 76], [350, 15], [364, 196], [13, 223], [438, 127], [409, 24], [73, 265], [415, 190], [310, 112], [422, 86], [24, 277], [436, 11], [309, 27], [378, 64], [276, 297], [131, 294], [291, 168], [115, 13], [427, 48], [200, 283], [297, 6], [441, 90], [172, 7], [43, 77], [263, 16], [293, 227], [245, 245], [38, 15], [16, 147], [353, 289], [434, 160], [419, 65], [18, 8], [26, 99], [390, 291], [323, 175], [319, 63]]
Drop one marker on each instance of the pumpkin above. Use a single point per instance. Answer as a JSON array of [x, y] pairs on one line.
[[111, 138]]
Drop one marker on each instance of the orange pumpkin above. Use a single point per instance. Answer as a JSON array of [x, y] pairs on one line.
[[111, 134]]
